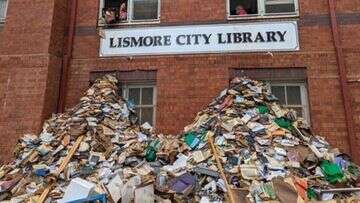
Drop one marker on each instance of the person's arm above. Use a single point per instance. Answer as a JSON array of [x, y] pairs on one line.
[[109, 16], [123, 12]]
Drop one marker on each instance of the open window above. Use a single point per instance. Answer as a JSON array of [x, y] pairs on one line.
[[129, 11], [261, 8], [243, 7], [3, 8]]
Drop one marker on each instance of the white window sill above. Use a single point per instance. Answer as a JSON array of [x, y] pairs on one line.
[[263, 17]]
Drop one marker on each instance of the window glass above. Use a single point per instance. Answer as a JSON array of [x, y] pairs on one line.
[[145, 9], [293, 95], [279, 92], [112, 3], [279, 6], [134, 95], [147, 114], [147, 96], [243, 7], [3, 4], [138, 112]]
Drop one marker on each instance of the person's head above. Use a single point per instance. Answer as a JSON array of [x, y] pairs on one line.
[[240, 10], [123, 6]]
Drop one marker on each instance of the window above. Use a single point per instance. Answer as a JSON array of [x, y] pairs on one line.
[[143, 98], [3, 8], [145, 10], [129, 11], [261, 8], [243, 7], [138, 87], [287, 84], [294, 96], [279, 6]]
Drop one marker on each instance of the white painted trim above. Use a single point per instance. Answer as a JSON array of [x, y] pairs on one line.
[[261, 8], [101, 6], [2, 20]]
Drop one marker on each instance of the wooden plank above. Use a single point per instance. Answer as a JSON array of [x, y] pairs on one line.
[[45, 193], [62, 166], [219, 166], [68, 157]]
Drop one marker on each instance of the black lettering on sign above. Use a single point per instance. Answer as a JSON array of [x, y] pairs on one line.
[[148, 41], [237, 37], [207, 38], [167, 40], [126, 42], [119, 42], [259, 38], [188, 39], [136, 42], [112, 43], [157, 41], [196, 36], [220, 39], [271, 36], [178, 40], [247, 37], [228, 38], [281, 35]]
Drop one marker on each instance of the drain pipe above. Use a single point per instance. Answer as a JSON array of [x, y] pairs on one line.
[[67, 56], [343, 79]]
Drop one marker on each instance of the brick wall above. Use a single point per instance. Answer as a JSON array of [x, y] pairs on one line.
[[1, 31], [30, 62], [187, 83]]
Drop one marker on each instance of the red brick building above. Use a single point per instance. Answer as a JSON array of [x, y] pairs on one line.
[[51, 50]]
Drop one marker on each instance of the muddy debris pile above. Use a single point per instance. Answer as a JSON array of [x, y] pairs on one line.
[[243, 147]]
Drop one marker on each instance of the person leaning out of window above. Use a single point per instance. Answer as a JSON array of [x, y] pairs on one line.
[[123, 12], [110, 15], [113, 15], [240, 10]]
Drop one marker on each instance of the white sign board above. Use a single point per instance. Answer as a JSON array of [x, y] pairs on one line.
[[214, 38]]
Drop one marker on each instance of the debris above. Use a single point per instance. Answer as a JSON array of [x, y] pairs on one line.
[[78, 189], [332, 172], [179, 164], [145, 194], [249, 172], [243, 147], [184, 183], [115, 187]]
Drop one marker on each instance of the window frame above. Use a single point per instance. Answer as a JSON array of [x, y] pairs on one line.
[[2, 20], [261, 12], [129, 11], [304, 96], [125, 94]]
